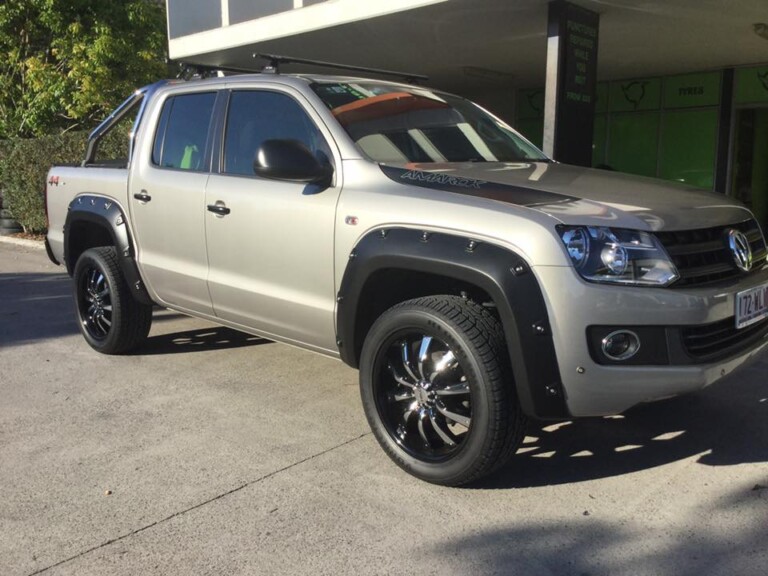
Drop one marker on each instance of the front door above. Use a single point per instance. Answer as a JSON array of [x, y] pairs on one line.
[[270, 243]]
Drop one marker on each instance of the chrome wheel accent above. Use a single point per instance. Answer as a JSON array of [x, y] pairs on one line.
[[96, 304], [423, 396]]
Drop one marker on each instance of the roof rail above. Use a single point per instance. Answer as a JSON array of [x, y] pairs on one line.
[[275, 61]]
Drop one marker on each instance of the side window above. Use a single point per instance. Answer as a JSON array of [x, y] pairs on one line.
[[256, 116], [182, 131]]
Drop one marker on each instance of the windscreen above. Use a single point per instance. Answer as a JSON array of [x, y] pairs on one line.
[[394, 124]]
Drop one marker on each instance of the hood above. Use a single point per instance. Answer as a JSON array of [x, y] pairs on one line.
[[579, 196]]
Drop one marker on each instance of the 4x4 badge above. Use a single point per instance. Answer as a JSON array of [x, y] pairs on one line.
[[741, 250]]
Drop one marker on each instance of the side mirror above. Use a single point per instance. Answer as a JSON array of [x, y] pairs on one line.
[[290, 160]]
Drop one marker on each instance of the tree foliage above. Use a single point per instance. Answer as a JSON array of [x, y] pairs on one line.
[[67, 63]]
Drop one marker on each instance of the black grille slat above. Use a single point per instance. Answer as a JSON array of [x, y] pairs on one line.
[[699, 271], [702, 256], [754, 235], [711, 331], [717, 342], [722, 338], [687, 249]]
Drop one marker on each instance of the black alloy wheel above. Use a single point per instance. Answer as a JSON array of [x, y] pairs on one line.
[[425, 401], [96, 302], [110, 319], [437, 389]]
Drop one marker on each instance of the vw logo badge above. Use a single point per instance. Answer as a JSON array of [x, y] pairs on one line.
[[740, 249]]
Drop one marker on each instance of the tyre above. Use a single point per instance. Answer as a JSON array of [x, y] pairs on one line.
[[110, 319], [437, 390], [8, 223]]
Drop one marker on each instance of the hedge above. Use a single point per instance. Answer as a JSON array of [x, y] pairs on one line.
[[23, 170], [24, 164]]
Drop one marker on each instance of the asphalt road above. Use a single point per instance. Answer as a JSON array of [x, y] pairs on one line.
[[212, 452]]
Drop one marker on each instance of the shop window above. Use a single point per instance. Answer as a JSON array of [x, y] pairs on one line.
[[634, 142], [688, 146]]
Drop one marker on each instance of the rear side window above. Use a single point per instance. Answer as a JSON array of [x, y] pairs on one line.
[[182, 132], [255, 116]]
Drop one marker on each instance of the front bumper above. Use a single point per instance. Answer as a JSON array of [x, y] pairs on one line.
[[594, 388]]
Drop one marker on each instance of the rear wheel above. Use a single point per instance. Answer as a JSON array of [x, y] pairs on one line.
[[437, 389], [110, 319]]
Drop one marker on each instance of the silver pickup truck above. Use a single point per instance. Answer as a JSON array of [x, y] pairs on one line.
[[474, 282]]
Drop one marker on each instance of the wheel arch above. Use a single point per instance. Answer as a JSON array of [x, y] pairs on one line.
[[93, 221], [392, 265]]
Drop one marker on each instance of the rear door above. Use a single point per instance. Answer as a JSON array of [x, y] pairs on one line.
[[167, 199], [270, 243]]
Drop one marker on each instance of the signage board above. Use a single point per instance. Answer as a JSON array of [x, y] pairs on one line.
[[577, 31], [692, 90]]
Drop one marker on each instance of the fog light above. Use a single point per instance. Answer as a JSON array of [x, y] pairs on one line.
[[621, 345]]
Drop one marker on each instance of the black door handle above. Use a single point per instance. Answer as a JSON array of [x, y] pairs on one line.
[[143, 196], [219, 209]]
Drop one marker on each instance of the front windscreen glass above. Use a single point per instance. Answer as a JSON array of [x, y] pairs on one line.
[[393, 124]]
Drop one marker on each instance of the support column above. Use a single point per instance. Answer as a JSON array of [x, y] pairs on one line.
[[224, 13], [724, 132], [569, 99]]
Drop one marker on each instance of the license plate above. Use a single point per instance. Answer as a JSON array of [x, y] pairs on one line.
[[751, 305]]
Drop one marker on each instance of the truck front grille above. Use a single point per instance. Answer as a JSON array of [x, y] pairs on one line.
[[703, 257], [721, 339]]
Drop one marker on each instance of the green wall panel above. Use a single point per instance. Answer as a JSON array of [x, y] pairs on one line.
[[688, 147], [692, 90], [599, 137], [530, 104], [635, 95], [601, 98], [751, 85], [633, 141]]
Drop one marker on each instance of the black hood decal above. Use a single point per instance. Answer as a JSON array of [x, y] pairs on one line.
[[447, 182]]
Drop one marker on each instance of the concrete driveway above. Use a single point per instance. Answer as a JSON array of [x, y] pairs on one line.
[[212, 452]]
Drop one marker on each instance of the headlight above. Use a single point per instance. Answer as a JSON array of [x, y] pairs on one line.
[[618, 256]]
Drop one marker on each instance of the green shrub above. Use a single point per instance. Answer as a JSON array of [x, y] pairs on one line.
[[24, 164], [23, 170], [5, 148]]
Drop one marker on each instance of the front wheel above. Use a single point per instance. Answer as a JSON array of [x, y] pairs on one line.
[[110, 319], [437, 389]]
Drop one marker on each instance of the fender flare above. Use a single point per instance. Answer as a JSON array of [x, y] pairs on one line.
[[107, 214], [501, 273]]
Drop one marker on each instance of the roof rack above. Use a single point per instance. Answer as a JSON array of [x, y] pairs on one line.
[[188, 70], [275, 61]]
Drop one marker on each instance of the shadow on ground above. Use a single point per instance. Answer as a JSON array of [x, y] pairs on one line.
[[590, 545], [725, 424], [202, 339], [37, 307]]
